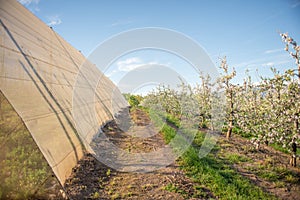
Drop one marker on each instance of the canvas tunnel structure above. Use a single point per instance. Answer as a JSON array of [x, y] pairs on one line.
[[39, 72]]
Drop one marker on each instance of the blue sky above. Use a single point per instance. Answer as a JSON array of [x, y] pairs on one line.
[[244, 31]]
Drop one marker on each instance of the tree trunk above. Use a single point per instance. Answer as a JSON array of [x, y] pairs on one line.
[[294, 145], [297, 126], [293, 160], [230, 125], [267, 142], [229, 131], [293, 156]]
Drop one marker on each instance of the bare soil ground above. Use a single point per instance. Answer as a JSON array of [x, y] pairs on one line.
[[93, 180], [266, 168]]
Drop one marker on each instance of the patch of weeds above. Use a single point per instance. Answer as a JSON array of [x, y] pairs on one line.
[[108, 172], [170, 187], [261, 166], [129, 186], [226, 145], [173, 120], [111, 191], [129, 194], [126, 195], [169, 133], [291, 179], [281, 170], [236, 158], [173, 188], [280, 184], [199, 192], [112, 183], [269, 162], [96, 195], [82, 187], [280, 175], [199, 137], [148, 186], [115, 196], [248, 149], [269, 175]]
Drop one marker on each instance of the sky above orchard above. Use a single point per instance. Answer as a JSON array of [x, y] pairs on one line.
[[246, 32]]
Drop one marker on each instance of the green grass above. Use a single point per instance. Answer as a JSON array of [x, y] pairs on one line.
[[270, 175], [217, 174], [158, 120], [219, 177], [279, 174], [173, 120], [173, 188], [236, 158]]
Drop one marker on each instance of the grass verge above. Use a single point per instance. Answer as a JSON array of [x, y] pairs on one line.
[[216, 173]]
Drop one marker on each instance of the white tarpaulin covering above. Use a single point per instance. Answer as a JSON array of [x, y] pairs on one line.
[[38, 74]]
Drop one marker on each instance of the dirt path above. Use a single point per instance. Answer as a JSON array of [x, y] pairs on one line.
[[93, 180]]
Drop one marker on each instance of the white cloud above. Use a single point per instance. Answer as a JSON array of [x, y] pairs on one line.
[[274, 51], [110, 74], [129, 61], [54, 20], [269, 64], [133, 63], [28, 2], [130, 64], [276, 63]]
